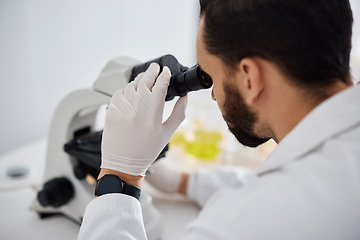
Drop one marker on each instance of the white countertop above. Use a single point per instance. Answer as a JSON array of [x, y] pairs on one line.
[[17, 194]]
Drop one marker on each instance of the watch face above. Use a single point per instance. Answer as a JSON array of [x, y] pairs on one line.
[[109, 184]]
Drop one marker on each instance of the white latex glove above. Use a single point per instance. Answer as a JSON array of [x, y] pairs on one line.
[[164, 177], [134, 133]]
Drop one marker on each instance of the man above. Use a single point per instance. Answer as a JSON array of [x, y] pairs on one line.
[[280, 70]]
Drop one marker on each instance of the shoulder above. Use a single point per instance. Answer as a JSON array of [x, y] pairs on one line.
[[309, 198]]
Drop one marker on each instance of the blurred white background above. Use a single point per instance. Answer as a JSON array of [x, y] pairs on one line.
[[51, 48]]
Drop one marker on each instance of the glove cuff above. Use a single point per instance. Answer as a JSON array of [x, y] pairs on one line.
[[124, 165]]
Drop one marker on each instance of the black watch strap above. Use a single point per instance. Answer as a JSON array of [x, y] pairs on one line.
[[132, 190], [111, 183]]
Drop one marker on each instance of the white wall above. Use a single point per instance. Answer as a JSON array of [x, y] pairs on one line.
[[50, 48]]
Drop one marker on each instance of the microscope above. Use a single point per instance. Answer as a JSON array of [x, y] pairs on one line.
[[73, 155]]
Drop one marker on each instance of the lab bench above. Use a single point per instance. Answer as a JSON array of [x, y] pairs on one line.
[[21, 176]]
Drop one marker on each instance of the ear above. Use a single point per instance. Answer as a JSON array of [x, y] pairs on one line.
[[251, 78]]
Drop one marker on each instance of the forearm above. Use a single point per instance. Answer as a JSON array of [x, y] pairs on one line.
[[130, 179], [201, 185], [198, 186], [138, 180]]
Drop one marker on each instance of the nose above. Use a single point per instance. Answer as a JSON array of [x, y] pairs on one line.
[[213, 95]]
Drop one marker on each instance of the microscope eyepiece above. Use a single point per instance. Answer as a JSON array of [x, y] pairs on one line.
[[183, 79]]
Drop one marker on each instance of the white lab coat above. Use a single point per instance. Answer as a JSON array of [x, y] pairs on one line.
[[309, 188]]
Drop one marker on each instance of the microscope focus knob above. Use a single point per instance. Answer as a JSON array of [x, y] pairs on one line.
[[79, 172], [56, 192]]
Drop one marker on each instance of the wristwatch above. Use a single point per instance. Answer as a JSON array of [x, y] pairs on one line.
[[111, 183]]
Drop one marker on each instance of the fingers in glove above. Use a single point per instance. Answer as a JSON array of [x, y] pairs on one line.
[[162, 82], [149, 77], [137, 79], [120, 102], [177, 115], [130, 91]]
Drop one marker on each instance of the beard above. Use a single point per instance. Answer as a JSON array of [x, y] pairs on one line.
[[240, 119]]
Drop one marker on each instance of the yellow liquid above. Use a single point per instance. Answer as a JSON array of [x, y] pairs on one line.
[[202, 144]]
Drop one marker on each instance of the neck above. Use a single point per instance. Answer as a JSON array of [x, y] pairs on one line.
[[294, 105]]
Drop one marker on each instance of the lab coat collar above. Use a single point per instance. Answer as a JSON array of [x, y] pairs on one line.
[[333, 116]]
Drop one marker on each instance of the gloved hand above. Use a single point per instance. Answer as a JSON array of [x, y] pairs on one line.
[[164, 177], [134, 133]]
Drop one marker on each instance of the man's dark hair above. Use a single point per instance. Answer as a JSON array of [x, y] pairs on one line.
[[309, 40]]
